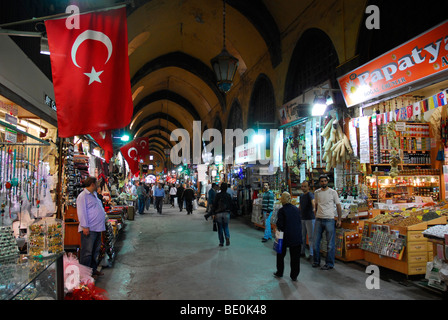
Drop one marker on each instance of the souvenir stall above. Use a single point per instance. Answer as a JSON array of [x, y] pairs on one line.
[[30, 231], [398, 134]]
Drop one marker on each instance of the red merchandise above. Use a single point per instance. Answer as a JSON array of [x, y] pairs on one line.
[[90, 69]]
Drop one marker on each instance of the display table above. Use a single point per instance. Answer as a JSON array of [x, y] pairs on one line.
[[407, 254], [33, 279]]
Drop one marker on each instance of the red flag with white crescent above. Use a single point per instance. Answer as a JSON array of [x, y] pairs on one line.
[[90, 69], [135, 151]]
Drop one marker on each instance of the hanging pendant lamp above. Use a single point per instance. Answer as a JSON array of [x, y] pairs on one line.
[[224, 64]]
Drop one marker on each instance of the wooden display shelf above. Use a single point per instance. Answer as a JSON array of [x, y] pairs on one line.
[[416, 253]]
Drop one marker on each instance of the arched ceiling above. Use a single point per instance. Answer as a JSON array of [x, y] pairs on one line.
[[171, 44]]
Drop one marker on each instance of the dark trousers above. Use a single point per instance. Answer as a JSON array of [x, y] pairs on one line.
[[294, 254], [189, 206], [180, 202], [90, 249], [159, 204]]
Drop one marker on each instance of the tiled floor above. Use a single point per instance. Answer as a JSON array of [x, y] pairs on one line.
[[175, 256]]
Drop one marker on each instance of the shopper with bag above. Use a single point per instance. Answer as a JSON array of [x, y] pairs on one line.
[[289, 222], [221, 212]]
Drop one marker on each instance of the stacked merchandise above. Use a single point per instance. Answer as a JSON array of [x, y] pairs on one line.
[[9, 251], [72, 178], [45, 238], [383, 242], [81, 163]]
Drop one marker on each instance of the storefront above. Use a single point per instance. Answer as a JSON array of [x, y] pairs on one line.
[[399, 139]]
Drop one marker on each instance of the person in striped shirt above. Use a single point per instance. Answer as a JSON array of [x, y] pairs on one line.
[[267, 209]]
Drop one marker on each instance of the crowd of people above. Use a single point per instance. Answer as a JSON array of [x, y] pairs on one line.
[[314, 215]]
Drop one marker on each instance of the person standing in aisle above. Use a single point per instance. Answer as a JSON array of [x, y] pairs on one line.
[[266, 209], [221, 212], [159, 194], [188, 196], [326, 199], [92, 222], [141, 195], [306, 207], [289, 222], [173, 193], [211, 199], [153, 189], [180, 200], [148, 196]]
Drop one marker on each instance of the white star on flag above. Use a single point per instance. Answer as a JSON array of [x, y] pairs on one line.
[[94, 76]]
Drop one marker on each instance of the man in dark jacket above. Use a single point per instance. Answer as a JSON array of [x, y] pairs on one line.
[[289, 221], [180, 200], [188, 196]]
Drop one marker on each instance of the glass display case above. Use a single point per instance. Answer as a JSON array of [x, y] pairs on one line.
[[32, 279], [405, 189]]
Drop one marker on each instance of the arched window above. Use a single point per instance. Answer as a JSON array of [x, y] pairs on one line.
[[314, 61], [235, 119], [262, 107]]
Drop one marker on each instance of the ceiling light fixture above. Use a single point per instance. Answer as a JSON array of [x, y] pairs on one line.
[[224, 64]]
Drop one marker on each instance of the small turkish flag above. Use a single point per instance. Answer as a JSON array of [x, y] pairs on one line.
[[104, 140], [90, 68], [135, 151]]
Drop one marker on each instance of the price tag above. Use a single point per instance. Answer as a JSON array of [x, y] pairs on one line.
[[419, 218], [439, 212], [425, 211]]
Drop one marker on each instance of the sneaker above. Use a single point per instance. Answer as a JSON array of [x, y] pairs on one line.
[[275, 274], [227, 242], [221, 245], [315, 265], [326, 267], [294, 279]]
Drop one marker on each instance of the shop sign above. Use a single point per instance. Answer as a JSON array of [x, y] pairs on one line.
[[10, 136], [246, 153], [417, 59]]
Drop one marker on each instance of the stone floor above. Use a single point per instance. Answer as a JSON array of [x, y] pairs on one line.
[[175, 256]]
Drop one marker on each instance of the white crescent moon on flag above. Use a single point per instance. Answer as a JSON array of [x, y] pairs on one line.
[[91, 35], [129, 152], [143, 141]]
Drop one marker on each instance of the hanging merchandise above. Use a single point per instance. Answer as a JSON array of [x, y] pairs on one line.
[[337, 146], [394, 154]]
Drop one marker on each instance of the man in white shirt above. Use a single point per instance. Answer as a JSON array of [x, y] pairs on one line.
[[326, 199]]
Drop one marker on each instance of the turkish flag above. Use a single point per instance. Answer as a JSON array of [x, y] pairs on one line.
[[104, 140], [135, 151], [90, 69]]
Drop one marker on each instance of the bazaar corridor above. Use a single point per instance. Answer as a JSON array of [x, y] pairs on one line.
[[175, 256]]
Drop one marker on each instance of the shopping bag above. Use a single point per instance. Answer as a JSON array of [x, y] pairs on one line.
[[278, 242], [215, 226], [195, 204], [175, 201]]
